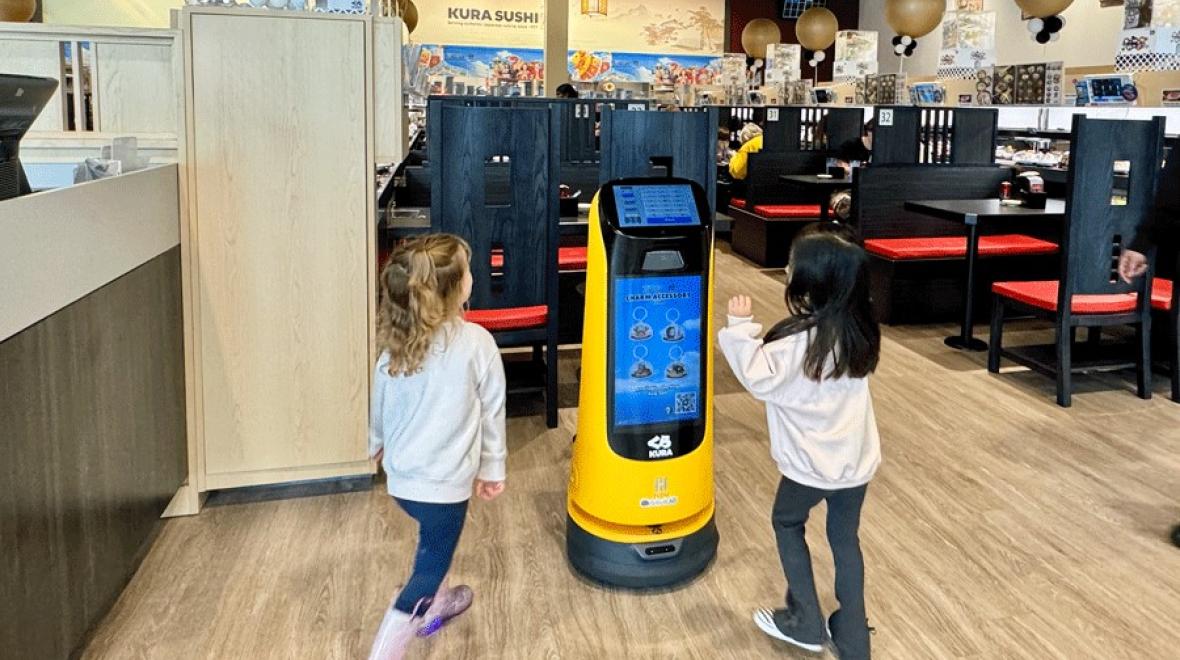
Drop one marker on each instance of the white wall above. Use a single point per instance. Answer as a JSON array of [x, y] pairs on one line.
[[1089, 38]]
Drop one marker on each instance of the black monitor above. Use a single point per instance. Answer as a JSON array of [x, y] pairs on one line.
[[21, 100]]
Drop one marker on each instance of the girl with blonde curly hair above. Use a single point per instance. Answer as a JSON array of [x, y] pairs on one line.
[[437, 423]]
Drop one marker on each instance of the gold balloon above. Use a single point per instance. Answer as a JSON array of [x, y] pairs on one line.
[[914, 18], [1043, 8], [758, 34], [816, 28], [17, 11], [410, 15]]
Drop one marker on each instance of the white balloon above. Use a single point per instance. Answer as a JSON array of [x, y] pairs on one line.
[[758, 64], [1036, 25], [907, 40], [820, 56], [1055, 36], [813, 64], [899, 49]]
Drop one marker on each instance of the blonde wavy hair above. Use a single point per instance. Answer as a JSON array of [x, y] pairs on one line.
[[421, 292]]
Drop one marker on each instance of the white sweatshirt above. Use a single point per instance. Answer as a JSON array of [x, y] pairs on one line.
[[822, 435], [443, 426]]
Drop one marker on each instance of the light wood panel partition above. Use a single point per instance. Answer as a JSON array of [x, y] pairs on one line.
[[136, 88], [31, 57], [279, 247], [389, 122], [134, 79]]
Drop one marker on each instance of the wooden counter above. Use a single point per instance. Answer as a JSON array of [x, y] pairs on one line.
[[92, 400]]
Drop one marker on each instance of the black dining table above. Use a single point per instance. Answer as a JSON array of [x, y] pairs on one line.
[[819, 187], [970, 213]]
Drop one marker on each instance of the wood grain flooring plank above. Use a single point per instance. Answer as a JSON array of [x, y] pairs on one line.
[[999, 527]]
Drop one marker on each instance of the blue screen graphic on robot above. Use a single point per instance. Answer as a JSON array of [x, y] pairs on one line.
[[657, 349], [650, 206]]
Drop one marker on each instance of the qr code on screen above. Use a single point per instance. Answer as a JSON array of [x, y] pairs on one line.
[[686, 403]]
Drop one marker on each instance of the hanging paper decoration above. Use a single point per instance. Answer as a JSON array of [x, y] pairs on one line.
[[594, 7], [856, 54]]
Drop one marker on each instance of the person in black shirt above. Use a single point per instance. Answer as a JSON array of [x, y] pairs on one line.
[[1160, 231], [566, 91], [1160, 228]]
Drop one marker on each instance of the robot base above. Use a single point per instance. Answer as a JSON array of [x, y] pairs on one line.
[[641, 565]]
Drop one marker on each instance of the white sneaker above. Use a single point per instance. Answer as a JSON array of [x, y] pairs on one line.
[[396, 632], [764, 619]]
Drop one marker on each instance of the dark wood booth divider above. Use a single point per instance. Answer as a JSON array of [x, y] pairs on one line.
[[513, 230], [579, 151], [908, 135], [682, 144]]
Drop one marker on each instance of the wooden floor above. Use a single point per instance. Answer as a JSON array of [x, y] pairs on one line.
[[1000, 526]]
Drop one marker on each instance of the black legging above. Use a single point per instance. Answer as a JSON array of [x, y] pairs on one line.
[[439, 528]]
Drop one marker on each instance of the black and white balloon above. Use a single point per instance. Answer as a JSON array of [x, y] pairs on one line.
[[1046, 29], [903, 46]]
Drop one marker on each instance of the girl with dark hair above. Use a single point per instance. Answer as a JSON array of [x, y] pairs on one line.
[[811, 370]]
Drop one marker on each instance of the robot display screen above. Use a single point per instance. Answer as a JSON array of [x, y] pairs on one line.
[[654, 206], [657, 349]]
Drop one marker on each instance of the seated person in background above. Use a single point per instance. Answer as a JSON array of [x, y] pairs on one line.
[[724, 153], [751, 136], [848, 155], [566, 91]]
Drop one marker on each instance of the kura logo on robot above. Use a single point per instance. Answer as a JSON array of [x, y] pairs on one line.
[[659, 446]]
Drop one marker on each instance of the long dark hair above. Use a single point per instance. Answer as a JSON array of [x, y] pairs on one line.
[[827, 296]]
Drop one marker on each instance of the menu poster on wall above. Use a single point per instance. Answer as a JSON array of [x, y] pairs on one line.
[[671, 27]]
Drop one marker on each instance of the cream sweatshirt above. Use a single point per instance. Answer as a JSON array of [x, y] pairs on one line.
[[822, 435], [443, 426]]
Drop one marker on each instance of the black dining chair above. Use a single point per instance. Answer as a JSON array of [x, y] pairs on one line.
[[1103, 211], [495, 184]]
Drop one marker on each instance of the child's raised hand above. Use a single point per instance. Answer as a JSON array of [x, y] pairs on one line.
[[740, 306], [489, 490]]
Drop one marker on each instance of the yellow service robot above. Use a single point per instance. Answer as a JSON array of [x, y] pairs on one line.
[[641, 479]]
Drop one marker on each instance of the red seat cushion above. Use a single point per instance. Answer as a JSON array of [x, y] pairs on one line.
[[1043, 295], [738, 203], [568, 258], [571, 258], [787, 210], [510, 318], [955, 247], [1161, 294]]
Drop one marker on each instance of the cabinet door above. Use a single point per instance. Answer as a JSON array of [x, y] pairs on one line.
[[280, 139]]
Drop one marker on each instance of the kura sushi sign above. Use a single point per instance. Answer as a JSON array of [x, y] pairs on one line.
[[489, 23], [464, 15]]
